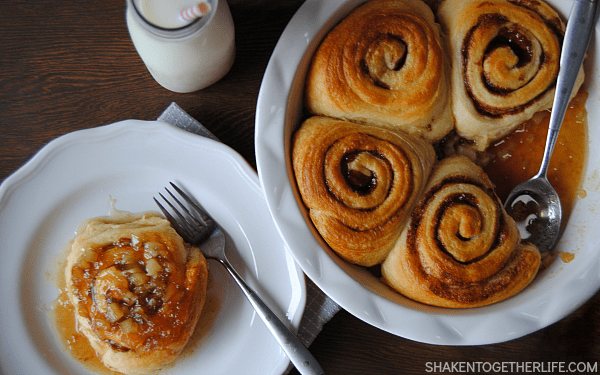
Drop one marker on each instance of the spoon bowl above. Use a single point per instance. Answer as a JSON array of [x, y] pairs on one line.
[[534, 204]]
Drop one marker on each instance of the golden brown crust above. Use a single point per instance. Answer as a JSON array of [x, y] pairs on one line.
[[505, 57], [384, 65], [359, 184], [137, 290], [460, 248]]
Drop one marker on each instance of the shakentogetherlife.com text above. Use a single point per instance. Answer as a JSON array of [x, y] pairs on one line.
[[511, 367]]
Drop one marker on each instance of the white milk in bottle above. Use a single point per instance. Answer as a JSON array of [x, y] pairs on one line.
[[182, 56]]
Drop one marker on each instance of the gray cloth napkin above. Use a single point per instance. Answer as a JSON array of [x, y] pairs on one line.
[[319, 307]]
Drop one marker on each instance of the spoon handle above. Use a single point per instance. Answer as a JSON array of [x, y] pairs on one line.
[[575, 44]]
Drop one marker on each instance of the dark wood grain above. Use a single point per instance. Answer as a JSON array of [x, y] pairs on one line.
[[70, 65]]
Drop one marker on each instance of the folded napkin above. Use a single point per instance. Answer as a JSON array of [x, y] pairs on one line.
[[319, 307]]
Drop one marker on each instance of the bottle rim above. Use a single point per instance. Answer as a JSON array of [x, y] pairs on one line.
[[172, 33]]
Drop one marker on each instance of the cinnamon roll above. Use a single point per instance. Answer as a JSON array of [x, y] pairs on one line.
[[136, 288], [460, 248], [359, 184], [505, 57], [384, 65]]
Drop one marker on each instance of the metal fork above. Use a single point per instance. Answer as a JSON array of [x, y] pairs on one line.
[[196, 227]]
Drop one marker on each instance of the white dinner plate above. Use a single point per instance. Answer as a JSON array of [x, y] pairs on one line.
[[70, 180], [555, 293]]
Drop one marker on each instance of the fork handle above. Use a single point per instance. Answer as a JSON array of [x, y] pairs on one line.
[[303, 360]]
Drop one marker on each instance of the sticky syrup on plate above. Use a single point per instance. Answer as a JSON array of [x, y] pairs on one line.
[[78, 345], [517, 157]]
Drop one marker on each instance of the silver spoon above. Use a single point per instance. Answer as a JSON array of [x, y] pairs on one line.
[[534, 204]]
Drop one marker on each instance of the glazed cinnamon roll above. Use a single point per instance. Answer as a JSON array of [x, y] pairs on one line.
[[460, 248], [384, 65], [136, 288], [359, 184], [505, 57]]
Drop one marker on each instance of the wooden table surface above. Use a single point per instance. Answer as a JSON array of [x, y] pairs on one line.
[[70, 65]]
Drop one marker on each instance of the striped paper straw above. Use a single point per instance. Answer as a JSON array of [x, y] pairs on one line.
[[198, 10]]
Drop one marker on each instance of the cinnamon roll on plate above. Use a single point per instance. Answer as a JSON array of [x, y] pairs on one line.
[[136, 288], [359, 184], [460, 248], [505, 58], [384, 64]]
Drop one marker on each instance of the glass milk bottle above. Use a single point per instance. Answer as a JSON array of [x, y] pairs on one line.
[[182, 56]]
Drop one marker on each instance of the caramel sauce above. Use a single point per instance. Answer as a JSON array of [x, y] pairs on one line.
[[517, 157], [78, 346], [80, 349], [566, 257], [361, 183], [65, 325]]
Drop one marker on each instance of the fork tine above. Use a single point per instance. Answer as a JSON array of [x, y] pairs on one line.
[[204, 216], [187, 224], [183, 230], [189, 219], [188, 227]]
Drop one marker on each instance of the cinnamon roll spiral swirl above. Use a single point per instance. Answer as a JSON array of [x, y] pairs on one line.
[[359, 184], [384, 64], [460, 248], [505, 56], [136, 288]]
